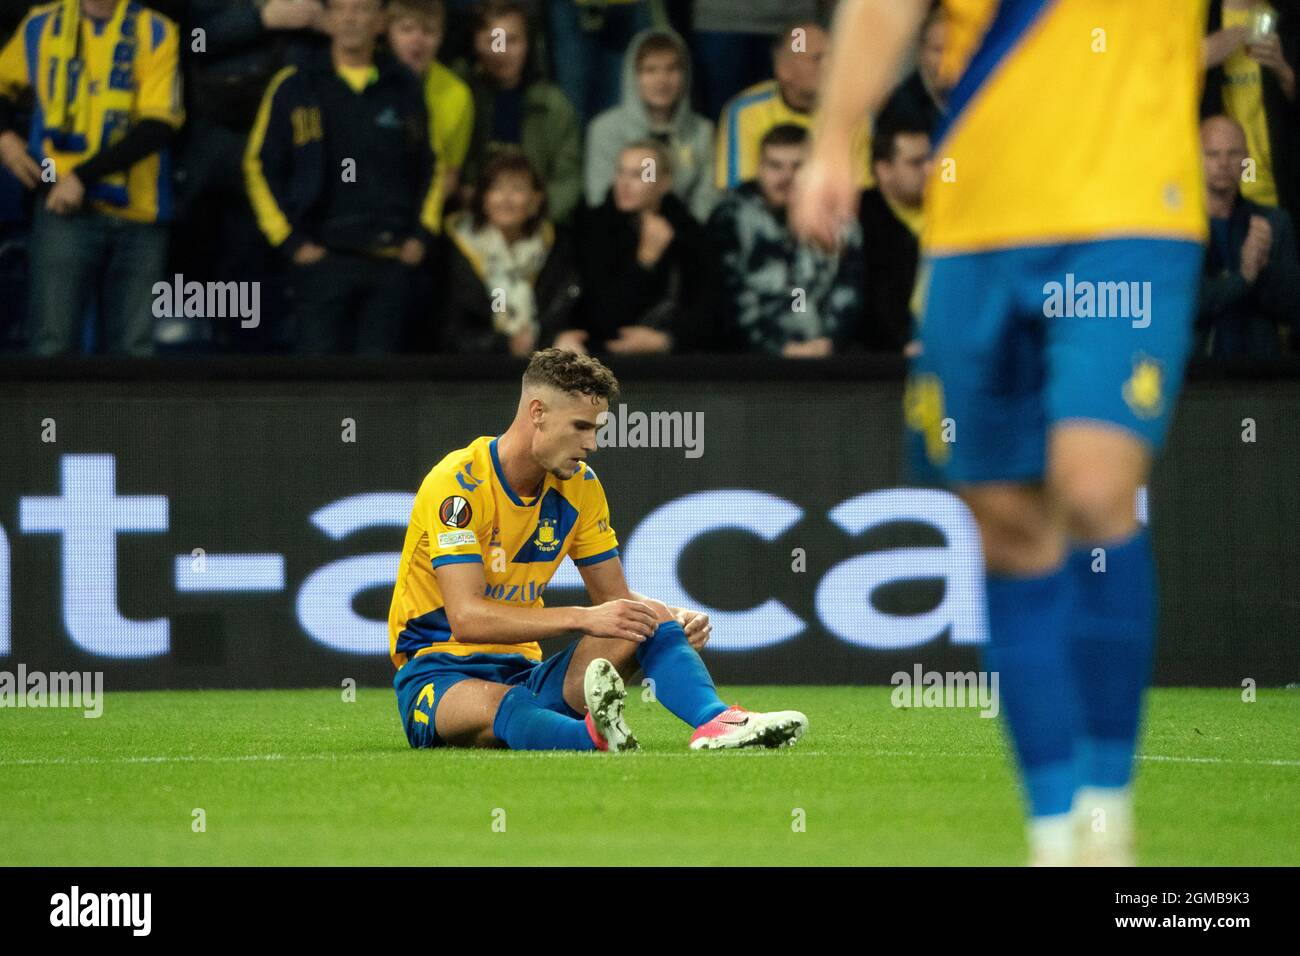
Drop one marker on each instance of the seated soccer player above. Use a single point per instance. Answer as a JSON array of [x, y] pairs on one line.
[[491, 523]]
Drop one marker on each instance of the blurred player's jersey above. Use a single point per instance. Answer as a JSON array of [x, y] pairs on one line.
[[93, 80], [1069, 120], [466, 512]]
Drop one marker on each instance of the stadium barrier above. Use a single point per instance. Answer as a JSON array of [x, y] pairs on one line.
[[237, 522]]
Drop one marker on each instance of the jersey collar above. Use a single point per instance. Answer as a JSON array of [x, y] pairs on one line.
[[501, 478]]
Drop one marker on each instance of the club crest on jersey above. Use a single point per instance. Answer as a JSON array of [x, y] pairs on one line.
[[455, 512], [1142, 392], [545, 539]]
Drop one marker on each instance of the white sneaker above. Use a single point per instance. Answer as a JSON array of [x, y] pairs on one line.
[[604, 693], [737, 727]]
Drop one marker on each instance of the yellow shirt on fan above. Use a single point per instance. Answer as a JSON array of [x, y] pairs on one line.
[[92, 81], [1243, 100]]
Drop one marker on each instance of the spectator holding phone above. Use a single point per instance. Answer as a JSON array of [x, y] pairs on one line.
[[1250, 57]]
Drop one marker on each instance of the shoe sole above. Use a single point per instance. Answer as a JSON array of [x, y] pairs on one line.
[[779, 732], [603, 691]]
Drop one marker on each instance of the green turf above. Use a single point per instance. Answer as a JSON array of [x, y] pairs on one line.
[[302, 777]]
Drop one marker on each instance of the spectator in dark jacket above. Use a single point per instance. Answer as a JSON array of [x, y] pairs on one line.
[[645, 261], [513, 106], [512, 282], [340, 171], [1251, 78], [232, 50], [781, 296], [1251, 289], [923, 96], [890, 216]]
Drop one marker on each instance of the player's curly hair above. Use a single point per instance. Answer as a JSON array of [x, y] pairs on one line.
[[571, 372]]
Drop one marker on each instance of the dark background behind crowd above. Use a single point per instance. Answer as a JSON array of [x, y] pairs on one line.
[[414, 176]]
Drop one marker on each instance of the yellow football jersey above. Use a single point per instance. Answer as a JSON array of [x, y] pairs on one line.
[[466, 512], [1069, 120]]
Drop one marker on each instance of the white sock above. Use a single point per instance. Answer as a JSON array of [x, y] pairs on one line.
[[1053, 839], [1105, 812]]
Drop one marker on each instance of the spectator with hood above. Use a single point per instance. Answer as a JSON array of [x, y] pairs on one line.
[[656, 104]]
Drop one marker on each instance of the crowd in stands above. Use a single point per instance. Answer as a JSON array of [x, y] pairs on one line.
[[452, 176]]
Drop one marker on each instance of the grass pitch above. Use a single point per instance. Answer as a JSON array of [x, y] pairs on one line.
[[302, 777]]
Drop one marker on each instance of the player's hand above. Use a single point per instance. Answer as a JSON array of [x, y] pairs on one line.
[[824, 202], [634, 339], [622, 618], [696, 625], [308, 253], [411, 253], [572, 340], [16, 159], [66, 196], [1255, 250]]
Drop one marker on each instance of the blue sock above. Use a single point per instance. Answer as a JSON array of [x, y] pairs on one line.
[[681, 681], [1112, 642], [523, 724], [1036, 687]]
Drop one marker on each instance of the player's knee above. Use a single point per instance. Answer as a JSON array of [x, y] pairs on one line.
[[1096, 505], [1016, 530], [662, 613]]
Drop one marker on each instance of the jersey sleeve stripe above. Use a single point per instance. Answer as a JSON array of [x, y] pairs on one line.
[[596, 558], [457, 559]]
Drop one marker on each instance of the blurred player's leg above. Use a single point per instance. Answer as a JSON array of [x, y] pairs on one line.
[[1028, 597], [1111, 634], [1112, 386]]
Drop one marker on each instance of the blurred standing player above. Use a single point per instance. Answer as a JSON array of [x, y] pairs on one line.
[[490, 526], [1067, 160]]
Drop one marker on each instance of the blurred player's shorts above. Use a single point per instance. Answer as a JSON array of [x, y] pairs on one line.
[[1015, 341]]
